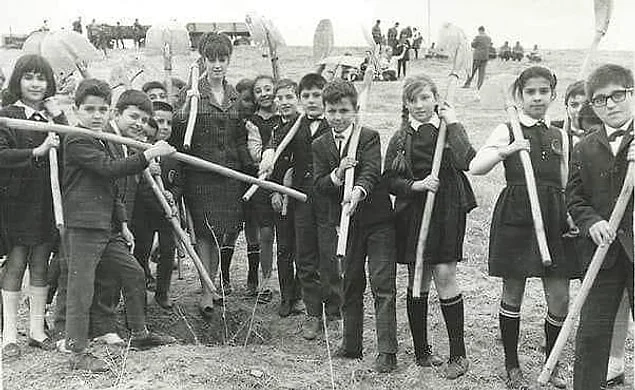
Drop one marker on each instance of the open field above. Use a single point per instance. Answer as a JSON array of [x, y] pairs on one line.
[[212, 355]]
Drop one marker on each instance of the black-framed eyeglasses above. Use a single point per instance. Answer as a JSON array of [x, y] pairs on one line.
[[617, 97]]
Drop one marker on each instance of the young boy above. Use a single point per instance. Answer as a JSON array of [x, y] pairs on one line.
[[96, 222], [317, 272], [156, 91], [597, 174], [290, 303], [371, 231], [148, 216]]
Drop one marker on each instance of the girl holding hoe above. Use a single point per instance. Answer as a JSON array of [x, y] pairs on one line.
[[513, 248]]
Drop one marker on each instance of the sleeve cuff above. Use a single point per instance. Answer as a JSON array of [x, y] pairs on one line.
[[363, 190], [336, 180]]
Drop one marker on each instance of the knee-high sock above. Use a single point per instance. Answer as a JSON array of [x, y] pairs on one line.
[[417, 309], [453, 313], [509, 319], [10, 302], [553, 324], [253, 259], [37, 298], [226, 254]]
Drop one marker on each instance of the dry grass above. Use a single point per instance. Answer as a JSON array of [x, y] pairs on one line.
[[277, 357]]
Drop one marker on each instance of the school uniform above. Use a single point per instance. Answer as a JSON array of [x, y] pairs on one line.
[[212, 199], [597, 174], [26, 218], [510, 257], [94, 212], [409, 158], [371, 234], [259, 132], [318, 278]]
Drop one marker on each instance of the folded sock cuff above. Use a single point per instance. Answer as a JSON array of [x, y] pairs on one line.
[[509, 311], [451, 301]]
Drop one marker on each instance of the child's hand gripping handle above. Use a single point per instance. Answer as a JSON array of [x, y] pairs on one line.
[[279, 150], [589, 277], [191, 120]]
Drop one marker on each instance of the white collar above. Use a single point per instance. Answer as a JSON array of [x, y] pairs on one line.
[[346, 133], [434, 121], [610, 130], [528, 121], [29, 111]]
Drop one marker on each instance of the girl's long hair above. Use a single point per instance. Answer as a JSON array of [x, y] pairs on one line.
[[531, 73], [29, 63]]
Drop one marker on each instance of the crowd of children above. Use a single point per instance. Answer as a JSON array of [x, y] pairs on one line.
[[111, 212]]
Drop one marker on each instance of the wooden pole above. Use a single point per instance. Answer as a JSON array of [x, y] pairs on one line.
[[191, 120], [176, 226], [589, 277], [20, 124]]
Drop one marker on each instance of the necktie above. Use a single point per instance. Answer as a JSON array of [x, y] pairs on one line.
[[617, 133], [339, 141]]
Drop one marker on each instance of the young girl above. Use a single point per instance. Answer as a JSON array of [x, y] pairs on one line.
[[513, 253], [25, 192], [214, 200], [408, 169], [260, 215]]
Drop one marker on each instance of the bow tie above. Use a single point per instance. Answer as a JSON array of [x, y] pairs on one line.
[[316, 119], [617, 133], [339, 137]]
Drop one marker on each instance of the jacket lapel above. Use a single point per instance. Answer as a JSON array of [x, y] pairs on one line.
[[332, 148], [626, 139], [604, 140]]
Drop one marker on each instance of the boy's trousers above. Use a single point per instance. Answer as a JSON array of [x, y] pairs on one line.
[[93, 253], [593, 340], [316, 265], [377, 242]]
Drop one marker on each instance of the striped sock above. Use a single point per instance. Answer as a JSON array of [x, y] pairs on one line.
[[453, 313], [509, 320], [553, 324]]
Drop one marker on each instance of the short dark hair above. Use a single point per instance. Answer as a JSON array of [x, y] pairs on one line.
[[92, 87], [481, 28], [244, 85], [310, 81], [534, 72], [133, 97], [286, 83], [338, 90], [29, 63], [215, 45], [262, 77], [153, 85], [161, 106], [608, 74], [574, 89]]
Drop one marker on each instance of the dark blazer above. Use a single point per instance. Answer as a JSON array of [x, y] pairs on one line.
[[93, 197], [300, 147], [376, 207], [596, 178]]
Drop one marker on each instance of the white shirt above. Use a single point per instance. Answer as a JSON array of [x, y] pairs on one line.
[[114, 126], [346, 134], [615, 145], [315, 124]]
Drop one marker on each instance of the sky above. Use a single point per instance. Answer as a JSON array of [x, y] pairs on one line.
[[552, 24]]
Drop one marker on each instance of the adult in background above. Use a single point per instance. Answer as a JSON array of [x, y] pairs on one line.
[[417, 40], [505, 52], [119, 35], [391, 36], [405, 33], [138, 33], [376, 32], [481, 44], [77, 25], [517, 52]]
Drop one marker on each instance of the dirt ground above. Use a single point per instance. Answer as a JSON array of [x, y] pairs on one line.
[[215, 354]]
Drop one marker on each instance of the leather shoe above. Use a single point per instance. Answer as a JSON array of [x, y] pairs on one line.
[[429, 358], [385, 363], [516, 379], [47, 344], [163, 301], [344, 354], [150, 340], [311, 327], [11, 351], [285, 309], [87, 362], [457, 366], [616, 380]]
